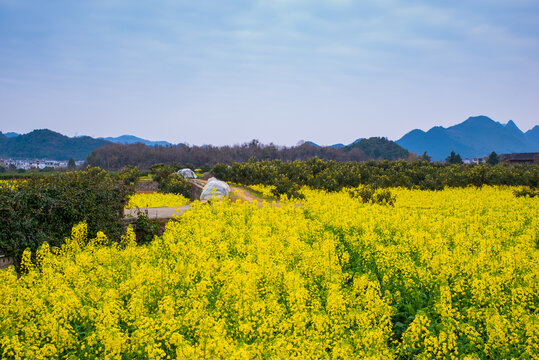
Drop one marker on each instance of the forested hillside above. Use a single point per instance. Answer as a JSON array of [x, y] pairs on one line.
[[47, 144]]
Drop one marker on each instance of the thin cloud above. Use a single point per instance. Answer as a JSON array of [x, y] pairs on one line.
[[288, 63]]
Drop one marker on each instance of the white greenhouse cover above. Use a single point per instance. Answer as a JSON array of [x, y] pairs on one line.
[[187, 173], [214, 189]]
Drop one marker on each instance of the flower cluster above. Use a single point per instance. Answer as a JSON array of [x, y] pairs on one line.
[[9, 184], [265, 190]]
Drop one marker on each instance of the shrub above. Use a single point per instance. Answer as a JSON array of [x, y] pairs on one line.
[[526, 191], [161, 172], [130, 175], [283, 186], [384, 197], [363, 193], [146, 228], [46, 208], [175, 184], [369, 194]]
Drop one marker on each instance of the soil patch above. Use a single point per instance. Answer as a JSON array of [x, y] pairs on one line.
[[146, 186]]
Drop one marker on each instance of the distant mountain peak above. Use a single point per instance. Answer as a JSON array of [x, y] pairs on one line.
[[479, 119], [435, 129], [510, 123], [357, 141], [475, 137], [310, 143], [512, 126], [132, 139], [533, 129], [533, 135]]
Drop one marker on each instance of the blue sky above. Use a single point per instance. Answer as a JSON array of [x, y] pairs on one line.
[[226, 72]]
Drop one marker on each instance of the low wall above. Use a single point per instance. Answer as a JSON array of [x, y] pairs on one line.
[[6, 261], [146, 186], [196, 189]]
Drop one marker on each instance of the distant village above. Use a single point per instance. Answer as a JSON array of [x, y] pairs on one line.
[[38, 164]]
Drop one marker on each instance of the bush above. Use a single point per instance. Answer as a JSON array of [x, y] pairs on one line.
[[175, 184], [283, 186], [130, 175], [364, 193], [368, 194], [161, 172], [146, 229], [46, 208], [523, 192], [384, 197]]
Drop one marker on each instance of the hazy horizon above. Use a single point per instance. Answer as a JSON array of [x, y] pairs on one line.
[[278, 71], [232, 144]]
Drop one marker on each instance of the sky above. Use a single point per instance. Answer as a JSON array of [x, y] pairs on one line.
[[226, 72]]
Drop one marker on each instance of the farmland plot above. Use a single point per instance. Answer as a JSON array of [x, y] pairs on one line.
[[441, 274]]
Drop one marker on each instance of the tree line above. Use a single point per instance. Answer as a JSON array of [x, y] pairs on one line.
[[287, 177], [117, 156]]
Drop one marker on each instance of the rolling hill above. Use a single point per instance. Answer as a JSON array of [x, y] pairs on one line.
[[379, 148], [47, 144]]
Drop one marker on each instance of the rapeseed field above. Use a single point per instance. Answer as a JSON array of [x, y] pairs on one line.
[[156, 200], [449, 274]]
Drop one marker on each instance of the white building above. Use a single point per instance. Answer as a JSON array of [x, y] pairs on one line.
[[478, 161], [27, 164]]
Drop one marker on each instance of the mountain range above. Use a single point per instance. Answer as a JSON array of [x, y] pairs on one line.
[[334, 146], [478, 136], [47, 144], [131, 139]]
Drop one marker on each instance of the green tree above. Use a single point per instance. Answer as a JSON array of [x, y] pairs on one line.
[[175, 184], [161, 172], [71, 164], [47, 169], [130, 175], [493, 159], [425, 157], [453, 158]]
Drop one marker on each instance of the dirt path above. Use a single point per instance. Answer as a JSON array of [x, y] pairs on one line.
[[235, 192], [240, 193]]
